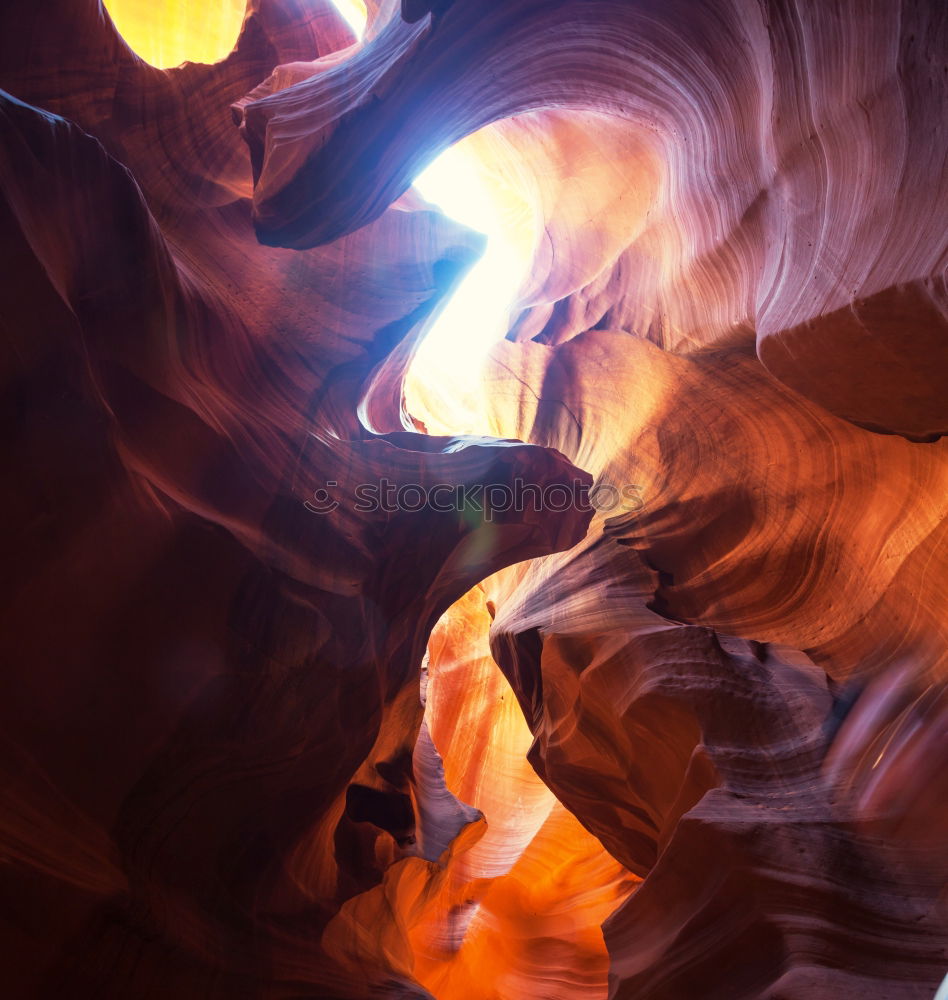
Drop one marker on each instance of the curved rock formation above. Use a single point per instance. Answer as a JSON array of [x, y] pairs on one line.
[[213, 648], [689, 750], [256, 739], [752, 115], [514, 908]]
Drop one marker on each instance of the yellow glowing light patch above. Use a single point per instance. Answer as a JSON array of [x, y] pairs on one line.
[[167, 33]]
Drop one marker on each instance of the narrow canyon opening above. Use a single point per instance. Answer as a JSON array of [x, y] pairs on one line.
[[526, 858]]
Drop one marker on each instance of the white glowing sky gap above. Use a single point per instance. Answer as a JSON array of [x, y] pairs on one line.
[[477, 314]]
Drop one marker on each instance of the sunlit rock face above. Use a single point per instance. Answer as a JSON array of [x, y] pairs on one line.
[[788, 163], [515, 906], [262, 740]]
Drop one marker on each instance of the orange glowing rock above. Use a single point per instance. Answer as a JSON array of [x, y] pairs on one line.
[[514, 906], [264, 740]]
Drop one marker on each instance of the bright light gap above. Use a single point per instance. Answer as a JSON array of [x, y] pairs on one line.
[[477, 314]]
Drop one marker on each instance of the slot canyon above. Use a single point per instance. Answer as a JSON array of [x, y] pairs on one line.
[[541, 596]]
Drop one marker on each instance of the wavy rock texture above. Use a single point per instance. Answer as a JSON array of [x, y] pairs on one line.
[[713, 765], [689, 750], [213, 697], [748, 115], [694, 755], [515, 906]]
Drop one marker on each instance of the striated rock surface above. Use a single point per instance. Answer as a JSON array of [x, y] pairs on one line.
[[515, 905], [263, 740], [697, 756], [212, 656], [788, 159]]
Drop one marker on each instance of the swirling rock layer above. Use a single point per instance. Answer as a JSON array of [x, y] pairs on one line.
[[261, 740], [213, 691]]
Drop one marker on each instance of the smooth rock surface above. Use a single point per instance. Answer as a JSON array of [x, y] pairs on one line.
[[262, 740]]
